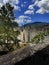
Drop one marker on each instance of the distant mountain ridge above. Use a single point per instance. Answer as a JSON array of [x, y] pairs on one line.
[[36, 24]]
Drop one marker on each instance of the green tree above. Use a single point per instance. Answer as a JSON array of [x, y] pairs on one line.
[[7, 31]]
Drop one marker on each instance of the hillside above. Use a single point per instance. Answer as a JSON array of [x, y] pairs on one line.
[[35, 24]]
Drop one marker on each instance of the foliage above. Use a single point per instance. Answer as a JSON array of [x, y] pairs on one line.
[[40, 37], [8, 28]]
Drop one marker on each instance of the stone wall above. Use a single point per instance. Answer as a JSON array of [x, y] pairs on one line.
[[16, 56]]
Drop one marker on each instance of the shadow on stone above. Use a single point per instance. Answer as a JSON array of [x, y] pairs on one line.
[[3, 52], [39, 58]]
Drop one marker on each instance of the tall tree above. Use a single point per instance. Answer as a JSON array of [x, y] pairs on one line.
[[7, 19]]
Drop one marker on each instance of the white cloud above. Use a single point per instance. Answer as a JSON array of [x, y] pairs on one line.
[[29, 12], [36, 2], [1, 4], [43, 6], [31, 7], [16, 1], [5, 1], [12, 2], [23, 19], [16, 7], [40, 11]]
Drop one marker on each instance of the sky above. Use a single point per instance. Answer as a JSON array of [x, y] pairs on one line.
[[27, 11]]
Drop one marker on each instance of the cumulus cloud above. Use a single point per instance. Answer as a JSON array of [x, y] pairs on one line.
[[41, 11], [29, 12], [31, 7], [23, 19], [16, 7], [16, 1], [5, 1], [11, 1], [43, 6]]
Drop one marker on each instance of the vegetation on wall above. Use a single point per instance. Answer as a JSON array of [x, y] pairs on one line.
[[40, 37]]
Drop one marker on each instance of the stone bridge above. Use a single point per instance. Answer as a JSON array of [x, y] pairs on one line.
[[16, 56]]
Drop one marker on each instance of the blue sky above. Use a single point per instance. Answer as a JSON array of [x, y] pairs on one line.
[[27, 11]]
